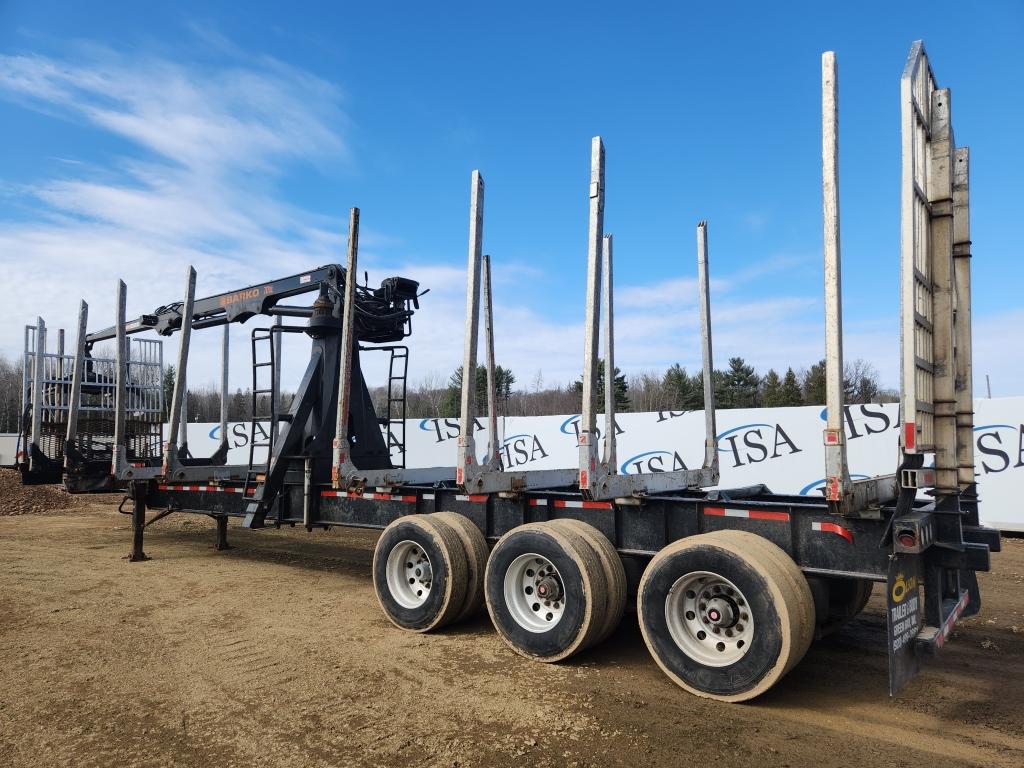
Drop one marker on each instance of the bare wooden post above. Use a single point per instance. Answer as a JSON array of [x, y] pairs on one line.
[[75, 395], [467, 445], [341, 445], [837, 478], [595, 234]]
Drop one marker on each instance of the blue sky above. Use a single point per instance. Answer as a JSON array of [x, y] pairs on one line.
[[141, 138]]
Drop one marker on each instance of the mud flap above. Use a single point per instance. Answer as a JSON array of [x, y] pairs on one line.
[[903, 618]]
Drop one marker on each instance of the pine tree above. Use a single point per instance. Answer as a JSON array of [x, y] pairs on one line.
[[791, 394], [685, 392], [503, 381], [621, 388], [737, 386], [814, 384], [771, 395]]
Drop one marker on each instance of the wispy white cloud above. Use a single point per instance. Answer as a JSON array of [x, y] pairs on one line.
[[194, 183]]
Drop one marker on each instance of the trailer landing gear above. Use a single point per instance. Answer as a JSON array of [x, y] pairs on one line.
[[222, 534], [138, 523]]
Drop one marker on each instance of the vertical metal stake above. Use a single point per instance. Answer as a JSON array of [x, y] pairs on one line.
[[609, 360], [836, 472], [466, 448], [494, 441], [341, 446], [595, 234], [179, 408], [120, 407], [75, 396], [707, 355], [224, 354], [38, 372]]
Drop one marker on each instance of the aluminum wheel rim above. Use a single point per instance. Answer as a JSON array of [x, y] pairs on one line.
[[709, 619], [526, 581], [409, 574]]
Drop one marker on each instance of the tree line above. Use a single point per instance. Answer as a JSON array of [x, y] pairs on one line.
[[737, 386], [676, 389]]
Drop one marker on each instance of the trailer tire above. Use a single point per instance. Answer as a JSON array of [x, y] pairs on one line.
[[750, 623], [800, 589], [527, 562], [419, 573], [475, 547], [614, 572]]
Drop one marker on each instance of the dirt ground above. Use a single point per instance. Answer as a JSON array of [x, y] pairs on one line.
[[276, 654]]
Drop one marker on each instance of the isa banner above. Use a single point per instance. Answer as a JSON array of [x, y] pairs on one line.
[[779, 447]]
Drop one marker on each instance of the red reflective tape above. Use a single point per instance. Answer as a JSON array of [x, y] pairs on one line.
[[330, 493], [565, 503], [538, 502], [750, 514], [833, 528], [479, 498], [757, 515], [909, 435]]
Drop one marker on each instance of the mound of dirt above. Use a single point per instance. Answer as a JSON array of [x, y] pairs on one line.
[[18, 499]]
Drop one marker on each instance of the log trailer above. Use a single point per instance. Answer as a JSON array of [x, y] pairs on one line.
[[731, 586]]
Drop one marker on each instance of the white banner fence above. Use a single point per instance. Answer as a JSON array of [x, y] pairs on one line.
[[779, 447]]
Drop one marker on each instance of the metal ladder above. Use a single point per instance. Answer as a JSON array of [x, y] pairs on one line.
[[261, 336], [394, 416]]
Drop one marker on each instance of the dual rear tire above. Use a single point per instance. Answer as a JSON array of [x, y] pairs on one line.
[[428, 570], [554, 589], [725, 614]]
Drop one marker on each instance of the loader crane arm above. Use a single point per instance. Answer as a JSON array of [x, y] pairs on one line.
[[383, 314]]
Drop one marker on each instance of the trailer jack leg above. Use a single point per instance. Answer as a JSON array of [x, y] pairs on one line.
[[222, 534], [138, 528]]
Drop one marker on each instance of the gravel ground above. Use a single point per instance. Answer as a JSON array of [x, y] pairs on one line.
[[275, 653]]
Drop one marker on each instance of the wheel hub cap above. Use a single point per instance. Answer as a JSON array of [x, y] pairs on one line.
[[409, 574], [709, 619], [534, 593]]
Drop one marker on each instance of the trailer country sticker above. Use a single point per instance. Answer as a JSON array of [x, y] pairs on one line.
[[370, 496], [833, 528], [751, 514]]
